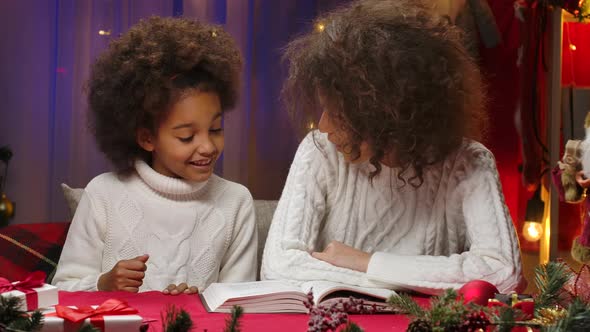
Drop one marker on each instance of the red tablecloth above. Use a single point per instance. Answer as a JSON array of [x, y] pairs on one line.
[[151, 304]]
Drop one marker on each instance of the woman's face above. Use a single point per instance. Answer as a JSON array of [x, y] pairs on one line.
[[338, 136]]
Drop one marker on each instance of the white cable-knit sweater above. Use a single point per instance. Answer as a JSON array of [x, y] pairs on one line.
[[452, 229], [194, 232]]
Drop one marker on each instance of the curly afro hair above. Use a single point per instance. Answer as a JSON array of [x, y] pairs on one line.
[[394, 75], [134, 83]]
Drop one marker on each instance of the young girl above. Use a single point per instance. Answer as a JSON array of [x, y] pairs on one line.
[[393, 191], [163, 221]]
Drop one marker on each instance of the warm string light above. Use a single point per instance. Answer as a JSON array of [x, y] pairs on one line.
[[104, 32], [319, 27], [532, 231], [573, 47]]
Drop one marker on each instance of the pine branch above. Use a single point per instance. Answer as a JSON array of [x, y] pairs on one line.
[[550, 279], [447, 298], [352, 327], [447, 311], [232, 324], [176, 320], [12, 318], [9, 309], [406, 304], [37, 320]]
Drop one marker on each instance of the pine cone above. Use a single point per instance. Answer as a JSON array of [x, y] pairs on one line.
[[475, 321], [419, 325]]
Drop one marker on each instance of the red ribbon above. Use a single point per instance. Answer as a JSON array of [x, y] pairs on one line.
[[109, 307], [33, 280]]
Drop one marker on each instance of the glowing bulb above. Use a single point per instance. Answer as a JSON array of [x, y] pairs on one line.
[[320, 27], [573, 47], [311, 126], [532, 231], [104, 32]]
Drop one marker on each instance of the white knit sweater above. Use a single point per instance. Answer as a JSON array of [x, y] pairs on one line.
[[194, 232], [452, 229]]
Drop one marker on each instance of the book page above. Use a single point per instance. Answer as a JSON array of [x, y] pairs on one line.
[[218, 293], [322, 289]]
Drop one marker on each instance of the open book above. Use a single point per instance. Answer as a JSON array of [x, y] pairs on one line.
[[272, 296]]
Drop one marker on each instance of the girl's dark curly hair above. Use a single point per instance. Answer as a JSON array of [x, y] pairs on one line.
[[395, 75], [143, 73]]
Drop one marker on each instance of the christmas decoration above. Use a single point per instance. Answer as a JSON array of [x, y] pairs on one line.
[[12, 318], [580, 9], [111, 315], [329, 317], [232, 324], [478, 292], [522, 303], [564, 178], [32, 290], [176, 320], [6, 206], [448, 312], [578, 285], [555, 308]]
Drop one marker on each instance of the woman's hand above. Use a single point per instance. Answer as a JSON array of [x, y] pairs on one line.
[[126, 275], [581, 179], [172, 289], [339, 254]]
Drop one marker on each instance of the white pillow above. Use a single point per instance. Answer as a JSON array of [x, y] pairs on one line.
[[72, 196]]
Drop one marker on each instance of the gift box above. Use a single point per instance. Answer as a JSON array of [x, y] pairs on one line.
[[524, 303], [111, 316], [33, 291]]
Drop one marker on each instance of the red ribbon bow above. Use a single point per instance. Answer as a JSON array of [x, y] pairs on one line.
[[33, 280], [109, 307]]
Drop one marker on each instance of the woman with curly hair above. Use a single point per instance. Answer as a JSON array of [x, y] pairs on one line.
[[394, 190], [163, 220]]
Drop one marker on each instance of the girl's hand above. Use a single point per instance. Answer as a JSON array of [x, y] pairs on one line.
[[581, 179], [172, 289], [126, 275], [339, 254]]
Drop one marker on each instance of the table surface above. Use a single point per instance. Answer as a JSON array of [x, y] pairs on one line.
[[151, 304]]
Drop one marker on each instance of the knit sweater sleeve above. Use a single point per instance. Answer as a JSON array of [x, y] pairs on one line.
[[492, 254], [298, 219], [79, 266], [240, 261]]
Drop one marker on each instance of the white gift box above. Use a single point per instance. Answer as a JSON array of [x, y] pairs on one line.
[[46, 297], [111, 323]]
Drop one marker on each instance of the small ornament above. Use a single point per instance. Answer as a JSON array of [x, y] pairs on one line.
[[476, 321], [6, 206], [549, 316], [478, 292], [578, 284], [6, 210]]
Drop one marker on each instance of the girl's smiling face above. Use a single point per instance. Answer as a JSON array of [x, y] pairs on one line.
[[189, 140]]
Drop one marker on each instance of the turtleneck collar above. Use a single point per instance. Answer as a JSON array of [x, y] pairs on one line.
[[164, 184]]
